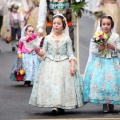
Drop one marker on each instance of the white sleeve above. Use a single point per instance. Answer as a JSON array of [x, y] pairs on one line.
[[22, 17], [9, 3], [25, 5], [2, 7], [42, 15], [2, 3], [8, 22]]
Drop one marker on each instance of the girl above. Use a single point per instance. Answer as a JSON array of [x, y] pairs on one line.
[[58, 84], [102, 75], [30, 60], [14, 24]]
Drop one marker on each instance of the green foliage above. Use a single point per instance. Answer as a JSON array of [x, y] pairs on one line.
[[78, 7]]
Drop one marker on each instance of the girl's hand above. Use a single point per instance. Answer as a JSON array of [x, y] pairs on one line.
[[42, 53], [37, 50], [27, 36], [101, 47], [72, 71], [110, 46]]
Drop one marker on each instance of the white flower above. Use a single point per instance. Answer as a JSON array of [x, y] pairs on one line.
[[77, 0]]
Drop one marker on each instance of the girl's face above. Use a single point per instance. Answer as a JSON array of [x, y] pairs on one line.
[[106, 25], [14, 10], [57, 25], [30, 30]]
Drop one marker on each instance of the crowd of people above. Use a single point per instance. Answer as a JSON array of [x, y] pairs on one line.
[[46, 57]]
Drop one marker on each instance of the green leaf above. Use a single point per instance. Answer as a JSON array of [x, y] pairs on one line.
[[78, 7]]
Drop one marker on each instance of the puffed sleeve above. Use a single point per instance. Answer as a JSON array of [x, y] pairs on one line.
[[69, 50]]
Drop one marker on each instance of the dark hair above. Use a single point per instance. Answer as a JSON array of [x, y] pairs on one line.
[[62, 18], [107, 17], [14, 6], [28, 27]]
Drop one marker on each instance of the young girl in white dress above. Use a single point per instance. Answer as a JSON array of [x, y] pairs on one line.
[[58, 84]]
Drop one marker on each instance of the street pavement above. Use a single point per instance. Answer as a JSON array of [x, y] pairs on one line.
[[14, 96]]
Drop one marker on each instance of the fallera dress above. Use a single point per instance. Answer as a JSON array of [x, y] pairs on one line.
[[102, 76], [54, 86]]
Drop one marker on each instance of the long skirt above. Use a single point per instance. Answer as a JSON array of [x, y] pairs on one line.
[[55, 87], [102, 81]]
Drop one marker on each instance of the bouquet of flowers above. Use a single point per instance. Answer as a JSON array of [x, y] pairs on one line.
[[33, 42], [32, 38], [101, 38]]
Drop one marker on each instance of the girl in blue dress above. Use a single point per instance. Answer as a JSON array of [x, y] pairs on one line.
[[102, 75]]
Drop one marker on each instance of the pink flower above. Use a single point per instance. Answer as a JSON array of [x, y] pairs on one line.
[[100, 36], [31, 38], [34, 36]]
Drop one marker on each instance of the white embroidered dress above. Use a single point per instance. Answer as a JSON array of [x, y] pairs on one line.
[[54, 86]]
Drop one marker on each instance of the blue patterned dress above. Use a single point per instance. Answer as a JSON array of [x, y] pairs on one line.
[[54, 85], [102, 76]]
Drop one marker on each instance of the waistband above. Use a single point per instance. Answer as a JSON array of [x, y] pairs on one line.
[[56, 60]]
